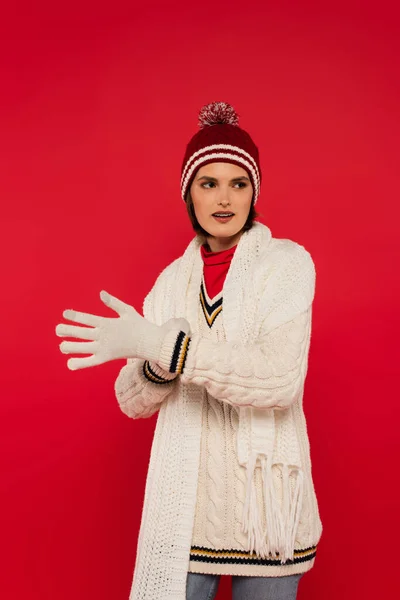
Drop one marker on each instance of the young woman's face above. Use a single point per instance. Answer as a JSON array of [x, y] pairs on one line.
[[222, 187]]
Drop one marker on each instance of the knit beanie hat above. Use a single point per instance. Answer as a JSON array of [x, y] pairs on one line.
[[220, 139]]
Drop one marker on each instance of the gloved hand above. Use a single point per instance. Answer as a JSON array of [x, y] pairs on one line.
[[128, 336]]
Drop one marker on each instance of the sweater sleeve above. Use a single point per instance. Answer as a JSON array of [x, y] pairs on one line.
[[269, 372], [140, 389]]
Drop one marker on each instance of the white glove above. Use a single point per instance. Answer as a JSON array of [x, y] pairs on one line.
[[128, 336]]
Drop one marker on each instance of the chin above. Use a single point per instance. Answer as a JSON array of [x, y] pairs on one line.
[[223, 230]]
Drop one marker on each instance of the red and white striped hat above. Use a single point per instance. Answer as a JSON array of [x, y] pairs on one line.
[[220, 139]]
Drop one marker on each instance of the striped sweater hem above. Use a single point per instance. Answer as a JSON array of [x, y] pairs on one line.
[[239, 562]]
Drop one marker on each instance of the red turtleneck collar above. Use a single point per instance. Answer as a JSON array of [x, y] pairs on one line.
[[216, 266]]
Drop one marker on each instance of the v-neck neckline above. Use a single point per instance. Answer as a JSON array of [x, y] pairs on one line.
[[214, 299]]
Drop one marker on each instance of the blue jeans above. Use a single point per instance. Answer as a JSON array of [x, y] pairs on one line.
[[201, 586]]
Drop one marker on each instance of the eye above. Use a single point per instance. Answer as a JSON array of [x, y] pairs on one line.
[[207, 183], [241, 183]]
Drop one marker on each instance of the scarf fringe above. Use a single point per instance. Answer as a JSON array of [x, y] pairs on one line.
[[278, 538]]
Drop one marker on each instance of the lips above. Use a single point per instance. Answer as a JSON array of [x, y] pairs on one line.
[[223, 218]]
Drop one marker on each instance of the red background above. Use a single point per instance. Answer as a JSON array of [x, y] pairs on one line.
[[97, 105]]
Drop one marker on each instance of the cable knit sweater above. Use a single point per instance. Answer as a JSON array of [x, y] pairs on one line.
[[227, 377], [219, 545]]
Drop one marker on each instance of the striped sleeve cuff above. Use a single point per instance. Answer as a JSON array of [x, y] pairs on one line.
[[174, 352], [156, 374]]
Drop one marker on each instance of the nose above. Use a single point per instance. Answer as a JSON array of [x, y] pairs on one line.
[[224, 197]]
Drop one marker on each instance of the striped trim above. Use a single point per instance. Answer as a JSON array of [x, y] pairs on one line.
[[241, 557], [179, 354], [211, 311], [220, 151], [151, 375], [233, 157], [219, 147]]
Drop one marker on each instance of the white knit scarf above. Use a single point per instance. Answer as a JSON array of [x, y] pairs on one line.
[[257, 443], [258, 293]]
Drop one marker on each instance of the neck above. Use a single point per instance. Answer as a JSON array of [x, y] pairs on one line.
[[218, 244]]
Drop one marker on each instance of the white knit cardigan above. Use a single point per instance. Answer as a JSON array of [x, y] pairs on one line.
[[261, 369]]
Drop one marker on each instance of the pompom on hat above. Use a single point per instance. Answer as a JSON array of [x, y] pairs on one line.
[[220, 139]]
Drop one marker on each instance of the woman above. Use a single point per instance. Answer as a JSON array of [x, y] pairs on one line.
[[222, 354]]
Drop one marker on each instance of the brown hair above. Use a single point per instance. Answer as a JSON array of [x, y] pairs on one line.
[[253, 214]]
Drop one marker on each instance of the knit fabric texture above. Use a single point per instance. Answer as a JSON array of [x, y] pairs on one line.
[[258, 369], [220, 139], [219, 545], [216, 266]]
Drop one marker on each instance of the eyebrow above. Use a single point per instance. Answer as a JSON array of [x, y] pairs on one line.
[[243, 177]]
